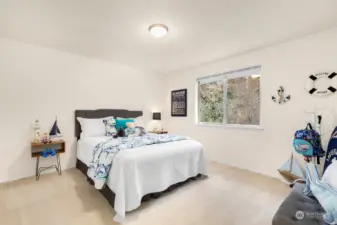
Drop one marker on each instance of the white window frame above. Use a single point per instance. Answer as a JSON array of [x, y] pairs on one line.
[[225, 77]]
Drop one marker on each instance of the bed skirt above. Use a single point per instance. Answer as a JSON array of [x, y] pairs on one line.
[[110, 195]]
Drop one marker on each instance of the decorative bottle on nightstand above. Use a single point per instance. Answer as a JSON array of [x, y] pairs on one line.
[[37, 131]]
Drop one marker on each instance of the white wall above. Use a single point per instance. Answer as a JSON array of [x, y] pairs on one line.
[[41, 83], [288, 64]]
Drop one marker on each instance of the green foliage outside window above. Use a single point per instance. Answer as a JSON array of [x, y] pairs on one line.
[[240, 105], [211, 102]]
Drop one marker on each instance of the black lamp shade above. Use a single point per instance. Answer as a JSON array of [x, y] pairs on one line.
[[156, 116]]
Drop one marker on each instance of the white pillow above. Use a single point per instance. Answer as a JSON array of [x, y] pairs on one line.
[[92, 127], [330, 175]]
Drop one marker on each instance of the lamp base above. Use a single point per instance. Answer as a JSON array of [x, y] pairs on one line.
[[157, 126]]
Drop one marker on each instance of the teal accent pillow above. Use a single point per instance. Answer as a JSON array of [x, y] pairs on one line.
[[327, 197], [121, 123]]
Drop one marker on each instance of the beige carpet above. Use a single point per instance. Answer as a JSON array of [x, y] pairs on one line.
[[229, 196]]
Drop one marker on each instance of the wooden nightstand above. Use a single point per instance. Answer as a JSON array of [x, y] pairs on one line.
[[38, 148], [159, 132]]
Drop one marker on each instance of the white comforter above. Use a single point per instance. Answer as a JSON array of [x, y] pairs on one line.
[[143, 170]]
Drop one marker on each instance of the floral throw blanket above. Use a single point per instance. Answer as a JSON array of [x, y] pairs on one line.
[[105, 152]]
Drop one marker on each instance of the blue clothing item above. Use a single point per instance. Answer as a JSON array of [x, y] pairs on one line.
[[327, 197], [47, 152], [312, 175], [121, 123], [331, 153], [325, 194]]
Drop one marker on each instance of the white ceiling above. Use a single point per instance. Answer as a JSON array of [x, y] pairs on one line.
[[200, 30]]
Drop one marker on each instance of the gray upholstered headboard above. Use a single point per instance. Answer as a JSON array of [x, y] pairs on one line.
[[100, 113]]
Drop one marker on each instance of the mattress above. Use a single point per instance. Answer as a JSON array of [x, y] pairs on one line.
[[85, 147], [147, 169]]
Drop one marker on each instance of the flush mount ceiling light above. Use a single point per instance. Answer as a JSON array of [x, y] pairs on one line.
[[254, 76], [158, 30]]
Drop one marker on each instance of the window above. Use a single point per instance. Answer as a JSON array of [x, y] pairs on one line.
[[231, 98]]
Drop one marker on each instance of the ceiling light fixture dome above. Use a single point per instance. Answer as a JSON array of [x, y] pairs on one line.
[[254, 76], [158, 30]]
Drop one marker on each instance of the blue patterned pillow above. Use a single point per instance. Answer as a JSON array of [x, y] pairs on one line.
[[110, 127], [130, 131], [136, 131], [142, 130]]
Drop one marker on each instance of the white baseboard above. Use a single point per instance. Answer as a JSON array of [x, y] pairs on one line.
[[52, 170]]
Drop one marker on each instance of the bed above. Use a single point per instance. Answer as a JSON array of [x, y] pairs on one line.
[[140, 173]]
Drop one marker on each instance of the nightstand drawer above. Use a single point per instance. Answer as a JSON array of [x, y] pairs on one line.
[[38, 148]]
